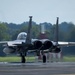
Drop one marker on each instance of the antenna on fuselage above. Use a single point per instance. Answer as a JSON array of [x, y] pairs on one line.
[[28, 38]]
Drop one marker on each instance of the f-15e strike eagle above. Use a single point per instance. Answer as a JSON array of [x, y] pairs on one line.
[[25, 43]]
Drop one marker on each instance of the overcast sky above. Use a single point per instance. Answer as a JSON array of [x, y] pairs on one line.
[[18, 11]]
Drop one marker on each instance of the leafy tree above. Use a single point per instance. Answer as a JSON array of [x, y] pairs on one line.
[[3, 32]]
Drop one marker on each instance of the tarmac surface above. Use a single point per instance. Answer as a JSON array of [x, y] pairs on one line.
[[55, 68]]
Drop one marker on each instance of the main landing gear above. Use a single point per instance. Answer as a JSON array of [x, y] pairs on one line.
[[23, 59], [44, 58]]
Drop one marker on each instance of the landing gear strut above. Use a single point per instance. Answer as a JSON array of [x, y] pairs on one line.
[[44, 58], [23, 59]]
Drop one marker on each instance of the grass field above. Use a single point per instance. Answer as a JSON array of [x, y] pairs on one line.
[[69, 58], [15, 59], [32, 59]]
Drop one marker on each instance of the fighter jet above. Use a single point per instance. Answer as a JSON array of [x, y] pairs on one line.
[[25, 43]]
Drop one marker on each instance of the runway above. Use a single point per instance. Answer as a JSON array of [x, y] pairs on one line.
[[55, 68]]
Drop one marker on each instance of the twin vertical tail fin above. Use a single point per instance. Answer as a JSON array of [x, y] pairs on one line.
[[56, 31], [28, 38]]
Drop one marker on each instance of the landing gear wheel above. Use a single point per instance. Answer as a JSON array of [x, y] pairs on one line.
[[44, 59], [23, 60]]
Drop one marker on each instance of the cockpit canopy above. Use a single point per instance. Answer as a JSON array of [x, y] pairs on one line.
[[22, 36]]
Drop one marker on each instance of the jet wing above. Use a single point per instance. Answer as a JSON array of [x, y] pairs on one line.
[[66, 44], [2, 42], [12, 43]]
